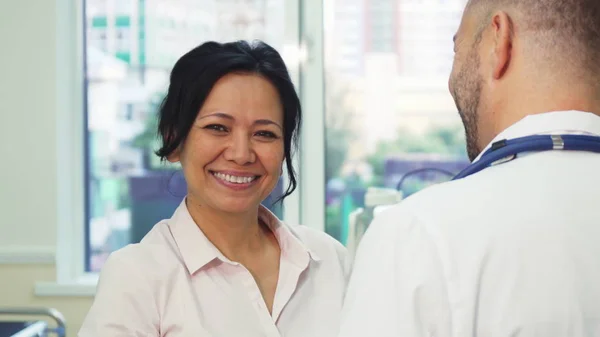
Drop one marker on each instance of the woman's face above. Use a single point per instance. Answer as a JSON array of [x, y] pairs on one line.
[[233, 155]]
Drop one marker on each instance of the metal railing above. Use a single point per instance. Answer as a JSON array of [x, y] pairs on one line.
[[59, 330]]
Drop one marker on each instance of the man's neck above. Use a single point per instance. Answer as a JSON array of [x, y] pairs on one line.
[[235, 235], [518, 108]]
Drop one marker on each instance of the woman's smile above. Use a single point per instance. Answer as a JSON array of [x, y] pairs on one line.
[[235, 180]]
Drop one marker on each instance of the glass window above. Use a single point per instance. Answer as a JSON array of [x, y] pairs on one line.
[[131, 47], [121, 7], [123, 40], [393, 125]]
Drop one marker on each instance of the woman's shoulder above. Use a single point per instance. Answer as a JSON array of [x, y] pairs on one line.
[[129, 288], [316, 239], [321, 243], [154, 252]]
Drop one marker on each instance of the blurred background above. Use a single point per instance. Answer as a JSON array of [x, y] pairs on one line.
[[82, 80]]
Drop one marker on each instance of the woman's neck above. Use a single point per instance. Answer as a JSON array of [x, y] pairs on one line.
[[235, 235]]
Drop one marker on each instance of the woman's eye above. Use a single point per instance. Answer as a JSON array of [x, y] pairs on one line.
[[216, 127], [266, 134]]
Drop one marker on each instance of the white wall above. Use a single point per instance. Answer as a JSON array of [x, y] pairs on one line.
[[30, 101], [27, 123]]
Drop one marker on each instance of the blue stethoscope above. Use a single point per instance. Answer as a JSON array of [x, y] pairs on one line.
[[506, 150]]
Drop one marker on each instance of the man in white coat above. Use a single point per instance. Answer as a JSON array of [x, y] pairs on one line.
[[514, 248]]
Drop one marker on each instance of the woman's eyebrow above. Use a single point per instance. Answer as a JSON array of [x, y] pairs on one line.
[[256, 122], [217, 114], [266, 122]]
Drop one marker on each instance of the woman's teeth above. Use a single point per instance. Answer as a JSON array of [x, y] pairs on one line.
[[234, 179]]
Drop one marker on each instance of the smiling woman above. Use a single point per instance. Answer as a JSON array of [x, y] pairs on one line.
[[230, 118], [233, 154]]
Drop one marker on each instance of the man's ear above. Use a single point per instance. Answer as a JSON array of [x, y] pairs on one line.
[[502, 30]]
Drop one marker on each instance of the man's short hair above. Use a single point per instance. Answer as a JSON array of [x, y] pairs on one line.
[[562, 30]]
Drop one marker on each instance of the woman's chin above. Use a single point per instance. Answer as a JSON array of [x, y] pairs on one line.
[[227, 203], [237, 206]]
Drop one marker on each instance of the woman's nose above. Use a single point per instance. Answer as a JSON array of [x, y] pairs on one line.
[[240, 151]]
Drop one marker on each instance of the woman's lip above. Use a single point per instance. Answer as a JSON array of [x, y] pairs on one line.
[[236, 186], [236, 173]]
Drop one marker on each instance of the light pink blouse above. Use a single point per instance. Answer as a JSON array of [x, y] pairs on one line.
[[176, 283]]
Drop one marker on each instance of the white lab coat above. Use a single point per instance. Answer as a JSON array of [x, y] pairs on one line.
[[513, 250]]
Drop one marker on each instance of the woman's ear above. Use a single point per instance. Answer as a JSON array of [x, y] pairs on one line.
[[282, 168], [175, 156], [169, 137]]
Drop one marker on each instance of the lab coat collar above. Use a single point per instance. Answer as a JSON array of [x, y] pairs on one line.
[[556, 122], [197, 251]]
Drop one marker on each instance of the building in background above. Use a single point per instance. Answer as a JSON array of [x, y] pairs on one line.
[[387, 67], [345, 37], [394, 57], [415, 32]]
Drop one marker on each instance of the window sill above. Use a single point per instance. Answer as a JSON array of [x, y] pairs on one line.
[[83, 287]]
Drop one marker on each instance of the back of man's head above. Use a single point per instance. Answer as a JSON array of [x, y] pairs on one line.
[[560, 33], [514, 58]]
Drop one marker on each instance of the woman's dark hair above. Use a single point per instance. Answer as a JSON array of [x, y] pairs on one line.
[[194, 76]]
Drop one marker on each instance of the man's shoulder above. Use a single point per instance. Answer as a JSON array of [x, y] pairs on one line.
[[436, 198], [431, 207]]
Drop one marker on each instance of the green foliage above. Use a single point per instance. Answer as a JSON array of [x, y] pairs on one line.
[[333, 220], [148, 139], [447, 140]]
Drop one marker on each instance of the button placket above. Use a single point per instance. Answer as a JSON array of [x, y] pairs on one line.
[[255, 295]]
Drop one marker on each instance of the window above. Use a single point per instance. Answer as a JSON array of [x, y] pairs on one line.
[[98, 38], [385, 65], [131, 47], [395, 120], [123, 40], [121, 7]]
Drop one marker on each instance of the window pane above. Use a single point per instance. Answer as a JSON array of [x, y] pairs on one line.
[[131, 47], [389, 115]]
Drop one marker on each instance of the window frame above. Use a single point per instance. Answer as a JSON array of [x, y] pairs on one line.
[[312, 95], [70, 249], [305, 206]]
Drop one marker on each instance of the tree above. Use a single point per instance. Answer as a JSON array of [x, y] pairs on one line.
[[148, 140], [438, 139], [338, 126]]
